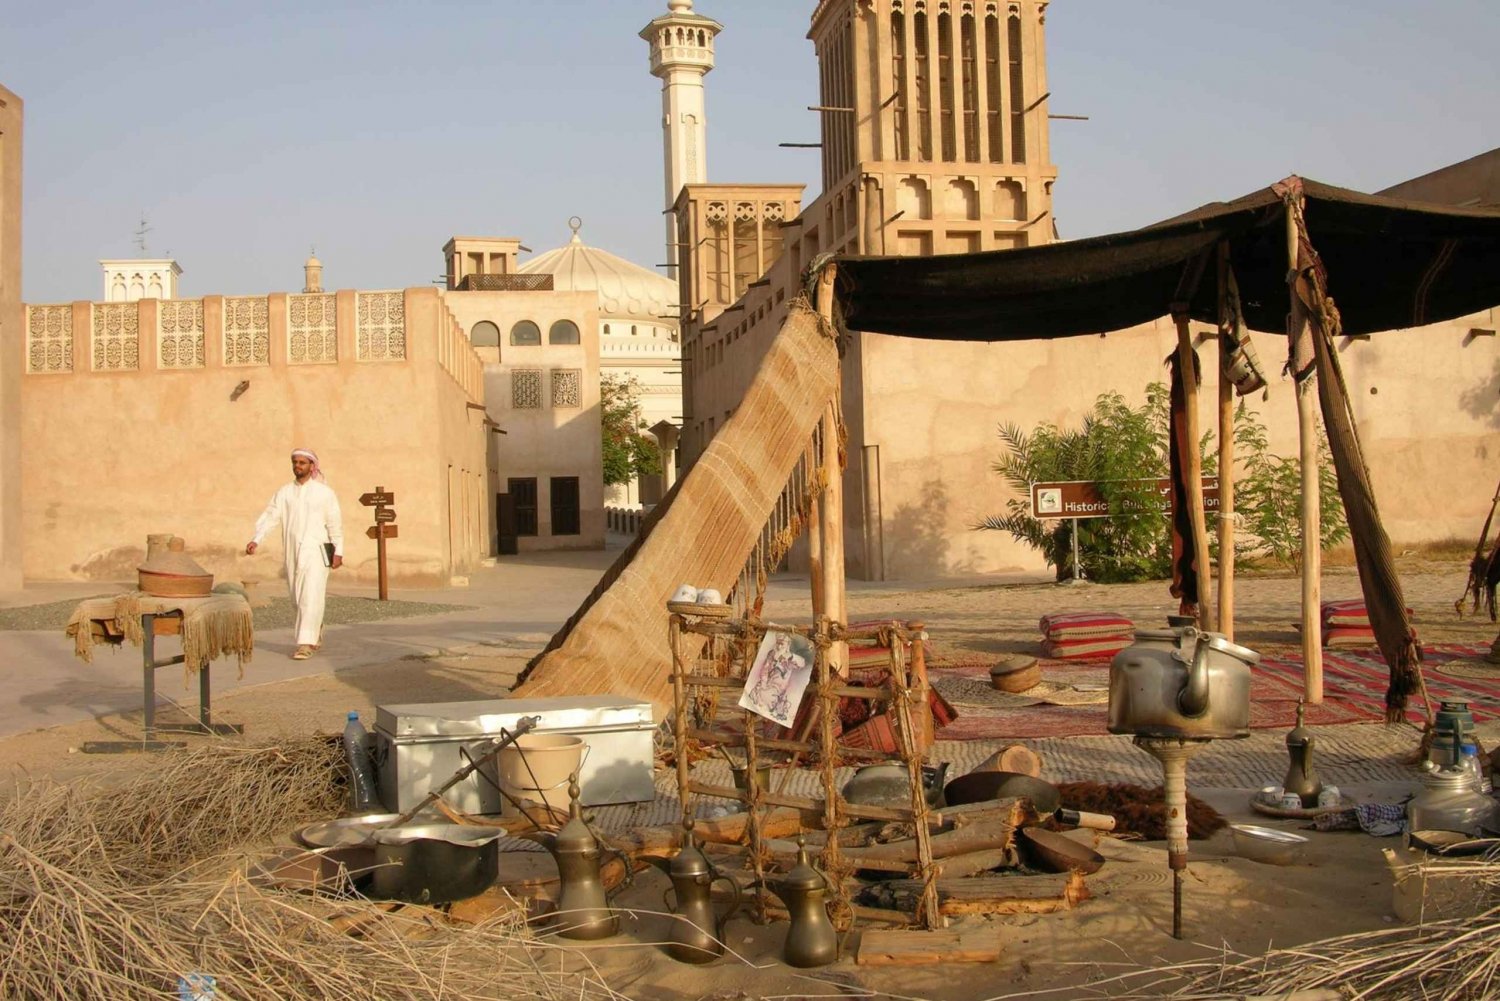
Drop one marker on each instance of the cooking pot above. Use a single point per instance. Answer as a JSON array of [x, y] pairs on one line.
[[435, 863]]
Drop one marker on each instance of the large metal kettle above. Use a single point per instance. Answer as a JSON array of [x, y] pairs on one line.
[[811, 940], [1181, 682], [697, 934], [582, 908]]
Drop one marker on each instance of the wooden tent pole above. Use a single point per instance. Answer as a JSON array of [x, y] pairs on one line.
[[1226, 455], [1192, 465], [1307, 437], [831, 511]]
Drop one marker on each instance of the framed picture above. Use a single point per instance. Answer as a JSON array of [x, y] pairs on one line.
[[779, 676]]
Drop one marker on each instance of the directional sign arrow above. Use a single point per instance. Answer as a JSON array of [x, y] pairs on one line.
[[376, 531], [384, 514], [378, 499]]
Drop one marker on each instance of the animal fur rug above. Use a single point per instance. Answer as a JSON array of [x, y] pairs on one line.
[[1138, 810]]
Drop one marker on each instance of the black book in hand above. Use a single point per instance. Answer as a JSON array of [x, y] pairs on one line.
[[328, 554]]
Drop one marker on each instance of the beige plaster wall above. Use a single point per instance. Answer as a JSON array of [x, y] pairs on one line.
[[1427, 403], [12, 341], [109, 457], [547, 441]]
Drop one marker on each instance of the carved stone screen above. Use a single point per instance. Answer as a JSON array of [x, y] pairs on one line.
[[180, 342], [526, 389], [116, 337], [381, 326], [247, 330], [566, 386], [312, 329], [49, 338]]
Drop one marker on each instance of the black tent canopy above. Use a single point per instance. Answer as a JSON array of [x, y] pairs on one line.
[[1392, 264]]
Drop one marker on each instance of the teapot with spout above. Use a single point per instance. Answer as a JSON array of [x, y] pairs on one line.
[[811, 940], [1301, 774], [583, 910], [697, 935], [1181, 682]]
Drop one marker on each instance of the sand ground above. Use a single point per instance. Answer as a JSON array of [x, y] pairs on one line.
[[1230, 903]]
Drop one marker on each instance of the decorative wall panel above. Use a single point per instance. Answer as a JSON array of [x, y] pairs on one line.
[[116, 337], [380, 326], [180, 340], [567, 384], [526, 389], [247, 330], [312, 329], [49, 338]]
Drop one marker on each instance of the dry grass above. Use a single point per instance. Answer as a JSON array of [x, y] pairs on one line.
[[1449, 960], [117, 894]]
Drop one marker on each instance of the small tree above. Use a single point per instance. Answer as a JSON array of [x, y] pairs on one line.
[[1118, 447], [628, 452]]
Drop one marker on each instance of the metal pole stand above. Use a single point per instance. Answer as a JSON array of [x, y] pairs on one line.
[[1173, 753], [149, 665]]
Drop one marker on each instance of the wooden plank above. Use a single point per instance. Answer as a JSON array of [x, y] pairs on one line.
[[801, 802], [664, 841], [731, 739], [902, 947], [990, 894]]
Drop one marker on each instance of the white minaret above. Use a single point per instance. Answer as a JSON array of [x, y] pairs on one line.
[[682, 53]]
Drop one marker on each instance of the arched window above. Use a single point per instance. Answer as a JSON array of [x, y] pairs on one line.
[[563, 332], [633, 331], [525, 333], [606, 330], [485, 335]]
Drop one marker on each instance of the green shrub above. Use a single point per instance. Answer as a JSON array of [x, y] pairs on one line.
[[1119, 446]]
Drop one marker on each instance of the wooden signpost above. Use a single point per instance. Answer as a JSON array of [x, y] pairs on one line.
[[384, 528]]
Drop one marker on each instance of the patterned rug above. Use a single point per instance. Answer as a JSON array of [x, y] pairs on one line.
[[1354, 683]]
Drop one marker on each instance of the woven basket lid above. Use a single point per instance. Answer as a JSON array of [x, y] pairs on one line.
[[165, 555]]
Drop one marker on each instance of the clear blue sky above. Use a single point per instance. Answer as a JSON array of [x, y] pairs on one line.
[[248, 132]]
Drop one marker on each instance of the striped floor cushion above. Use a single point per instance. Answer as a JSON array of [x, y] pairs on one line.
[[1088, 646], [1080, 625], [1348, 636], [1347, 612]]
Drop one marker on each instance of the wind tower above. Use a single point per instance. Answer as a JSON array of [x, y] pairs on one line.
[[934, 125], [682, 53]]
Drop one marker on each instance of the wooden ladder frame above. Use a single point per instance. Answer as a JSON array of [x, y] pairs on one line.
[[905, 691]]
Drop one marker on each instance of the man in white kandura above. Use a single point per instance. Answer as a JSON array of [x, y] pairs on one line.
[[313, 534]]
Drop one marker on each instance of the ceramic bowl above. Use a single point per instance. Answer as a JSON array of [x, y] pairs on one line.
[[1268, 845], [710, 596], [687, 594]]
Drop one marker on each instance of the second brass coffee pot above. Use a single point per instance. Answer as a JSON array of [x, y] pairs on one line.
[[811, 940], [697, 933]]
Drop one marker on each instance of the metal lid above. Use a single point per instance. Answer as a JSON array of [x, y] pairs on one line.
[[803, 876], [690, 860], [575, 835]]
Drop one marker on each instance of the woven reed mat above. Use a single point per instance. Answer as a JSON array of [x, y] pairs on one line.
[[619, 644], [1478, 669], [219, 625]]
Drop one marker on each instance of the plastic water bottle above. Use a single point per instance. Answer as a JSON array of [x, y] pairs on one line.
[[362, 791], [1469, 756]]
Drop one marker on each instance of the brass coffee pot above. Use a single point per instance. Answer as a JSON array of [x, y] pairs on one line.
[[811, 940], [582, 908], [1301, 774], [697, 934]]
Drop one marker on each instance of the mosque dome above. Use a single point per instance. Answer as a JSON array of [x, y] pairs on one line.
[[626, 291]]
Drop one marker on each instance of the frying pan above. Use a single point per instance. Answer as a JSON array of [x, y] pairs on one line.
[[979, 787]]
